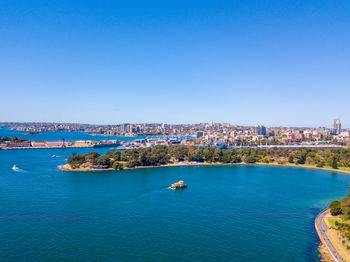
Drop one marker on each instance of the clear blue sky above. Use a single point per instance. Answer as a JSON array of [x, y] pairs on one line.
[[245, 62]]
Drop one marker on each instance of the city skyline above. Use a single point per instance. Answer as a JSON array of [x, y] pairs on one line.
[[330, 125], [274, 63], [335, 129]]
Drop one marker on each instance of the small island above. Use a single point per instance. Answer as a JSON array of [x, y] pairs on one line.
[[181, 155], [32, 133]]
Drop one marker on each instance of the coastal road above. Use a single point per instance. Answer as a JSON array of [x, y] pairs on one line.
[[321, 228]]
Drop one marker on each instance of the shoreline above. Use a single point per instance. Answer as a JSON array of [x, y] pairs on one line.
[[327, 248], [66, 167]]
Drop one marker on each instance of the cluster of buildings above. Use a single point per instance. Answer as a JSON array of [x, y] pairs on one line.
[[149, 129], [225, 135], [203, 134], [150, 142], [47, 127], [261, 135]]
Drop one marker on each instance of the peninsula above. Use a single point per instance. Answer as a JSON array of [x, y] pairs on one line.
[[181, 155]]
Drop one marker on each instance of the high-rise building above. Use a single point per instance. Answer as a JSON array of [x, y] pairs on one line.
[[124, 127], [336, 126], [130, 128], [260, 130]]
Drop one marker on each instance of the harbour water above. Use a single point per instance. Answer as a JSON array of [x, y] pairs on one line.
[[227, 213]]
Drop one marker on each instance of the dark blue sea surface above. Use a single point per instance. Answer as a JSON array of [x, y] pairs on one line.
[[227, 213]]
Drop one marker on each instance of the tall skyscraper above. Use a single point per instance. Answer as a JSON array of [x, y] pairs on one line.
[[124, 127], [336, 126], [130, 128], [260, 130]]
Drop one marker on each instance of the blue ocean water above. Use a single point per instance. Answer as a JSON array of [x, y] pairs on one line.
[[228, 213]]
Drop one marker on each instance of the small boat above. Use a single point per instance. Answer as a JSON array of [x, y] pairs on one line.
[[179, 184], [53, 156], [15, 168]]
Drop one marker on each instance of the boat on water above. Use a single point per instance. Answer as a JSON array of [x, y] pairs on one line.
[[15, 168], [53, 156], [178, 185]]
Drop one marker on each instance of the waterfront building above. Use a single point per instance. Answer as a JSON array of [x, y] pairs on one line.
[[18, 145]]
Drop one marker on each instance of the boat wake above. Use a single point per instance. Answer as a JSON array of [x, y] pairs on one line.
[[16, 169], [155, 192]]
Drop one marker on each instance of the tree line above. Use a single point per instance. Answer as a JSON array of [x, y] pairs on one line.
[[342, 209], [14, 139], [161, 155]]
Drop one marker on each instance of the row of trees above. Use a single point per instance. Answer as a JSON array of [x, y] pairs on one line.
[[161, 155], [342, 208]]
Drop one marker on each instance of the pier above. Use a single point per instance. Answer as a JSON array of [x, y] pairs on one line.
[[59, 144]]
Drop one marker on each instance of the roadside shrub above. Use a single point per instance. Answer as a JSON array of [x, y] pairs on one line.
[[335, 208]]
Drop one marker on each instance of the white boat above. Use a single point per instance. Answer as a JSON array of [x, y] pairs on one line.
[[53, 156], [15, 168]]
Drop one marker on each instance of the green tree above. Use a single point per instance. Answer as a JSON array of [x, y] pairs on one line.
[[250, 160], [321, 164], [208, 154], [335, 208], [334, 163], [236, 159], [104, 161], [291, 159], [178, 152], [224, 156], [115, 155], [345, 206], [92, 157], [117, 165], [76, 161]]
